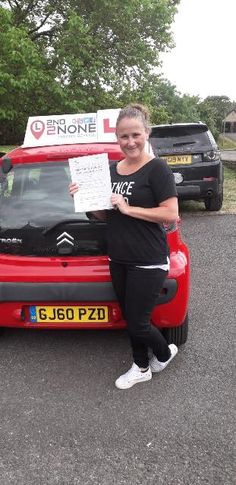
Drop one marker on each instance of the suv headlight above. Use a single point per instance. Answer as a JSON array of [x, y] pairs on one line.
[[211, 156]]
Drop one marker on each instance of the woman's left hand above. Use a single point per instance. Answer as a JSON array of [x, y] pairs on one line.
[[119, 202]]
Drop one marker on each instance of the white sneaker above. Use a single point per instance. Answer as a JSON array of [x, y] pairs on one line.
[[133, 376], [157, 366]]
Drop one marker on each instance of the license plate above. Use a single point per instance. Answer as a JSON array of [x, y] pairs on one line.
[[178, 159], [68, 314]]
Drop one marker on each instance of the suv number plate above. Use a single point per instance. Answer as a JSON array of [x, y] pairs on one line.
[[178, 159], [73, 314]]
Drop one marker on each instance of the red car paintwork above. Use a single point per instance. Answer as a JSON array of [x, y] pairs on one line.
[[68, 269]]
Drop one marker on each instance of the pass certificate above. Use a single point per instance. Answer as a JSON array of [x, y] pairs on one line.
[[92, 175]]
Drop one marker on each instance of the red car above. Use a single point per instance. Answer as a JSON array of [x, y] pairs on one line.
[[53, 264]]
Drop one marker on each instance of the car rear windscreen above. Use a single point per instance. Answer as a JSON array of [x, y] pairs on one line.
[[36, 209], [174, 137]]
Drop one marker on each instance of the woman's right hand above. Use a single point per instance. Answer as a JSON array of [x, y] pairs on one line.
[[73, 188]]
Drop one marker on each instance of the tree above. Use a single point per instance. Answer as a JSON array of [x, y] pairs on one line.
[[81, 54], [97, 45], [26, 85], [41, 18], [213, 110], [165, 103]]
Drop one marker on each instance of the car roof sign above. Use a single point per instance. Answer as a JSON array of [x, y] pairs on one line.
[[71, 128]]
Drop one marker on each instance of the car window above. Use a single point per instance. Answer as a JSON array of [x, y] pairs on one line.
[[172, 137], [37, 194], [37, 211]]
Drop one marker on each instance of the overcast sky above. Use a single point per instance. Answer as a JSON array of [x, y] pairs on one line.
[[203, 61]]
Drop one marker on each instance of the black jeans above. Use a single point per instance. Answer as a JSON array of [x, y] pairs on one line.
[[136, 290]]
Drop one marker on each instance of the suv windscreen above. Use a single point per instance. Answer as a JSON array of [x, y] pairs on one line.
[[169, 139], [35, 207]]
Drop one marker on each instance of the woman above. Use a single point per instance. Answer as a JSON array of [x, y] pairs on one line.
[[144, 197]]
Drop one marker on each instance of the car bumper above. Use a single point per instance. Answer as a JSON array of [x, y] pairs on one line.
[[199, 181], [16, 299], [73, 292], [198, 189], [49, 282]]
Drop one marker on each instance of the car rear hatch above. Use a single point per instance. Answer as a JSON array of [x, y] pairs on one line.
[[184, 144], [51, 258], [37, 215]]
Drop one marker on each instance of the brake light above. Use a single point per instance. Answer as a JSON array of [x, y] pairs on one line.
[[211, 156], [209, 179], [116, 314]]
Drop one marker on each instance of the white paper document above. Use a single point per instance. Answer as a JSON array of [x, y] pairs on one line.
[[92, 175]]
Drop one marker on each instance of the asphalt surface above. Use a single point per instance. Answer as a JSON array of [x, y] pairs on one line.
[[228, 155], [62, 421]]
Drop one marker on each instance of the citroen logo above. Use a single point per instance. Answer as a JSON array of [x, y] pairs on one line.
[[65, 238]]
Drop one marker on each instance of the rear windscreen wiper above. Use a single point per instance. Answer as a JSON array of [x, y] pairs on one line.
[[71, 221], [181, 143]]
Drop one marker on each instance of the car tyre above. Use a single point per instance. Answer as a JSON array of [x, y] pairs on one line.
[[177, 335], [214, 203]]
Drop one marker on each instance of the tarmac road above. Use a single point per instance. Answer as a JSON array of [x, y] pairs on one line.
[[64, 422], [228, 155]]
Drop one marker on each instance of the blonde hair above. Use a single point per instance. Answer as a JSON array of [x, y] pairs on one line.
[[137, 111]]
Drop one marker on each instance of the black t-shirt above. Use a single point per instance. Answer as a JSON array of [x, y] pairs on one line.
[[132, 240]]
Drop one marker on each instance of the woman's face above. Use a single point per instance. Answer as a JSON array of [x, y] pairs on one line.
[[132, 137]]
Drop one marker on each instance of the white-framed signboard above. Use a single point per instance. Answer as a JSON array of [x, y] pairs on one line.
[[71, 128]]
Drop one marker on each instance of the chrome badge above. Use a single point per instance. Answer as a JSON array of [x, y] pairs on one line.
[[65, 238], [178, 177]]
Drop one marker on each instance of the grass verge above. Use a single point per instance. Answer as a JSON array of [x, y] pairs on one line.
[[229, 202], [225, 143], [6, 148]]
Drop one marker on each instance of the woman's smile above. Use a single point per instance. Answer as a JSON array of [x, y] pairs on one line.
[[132, 137]]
